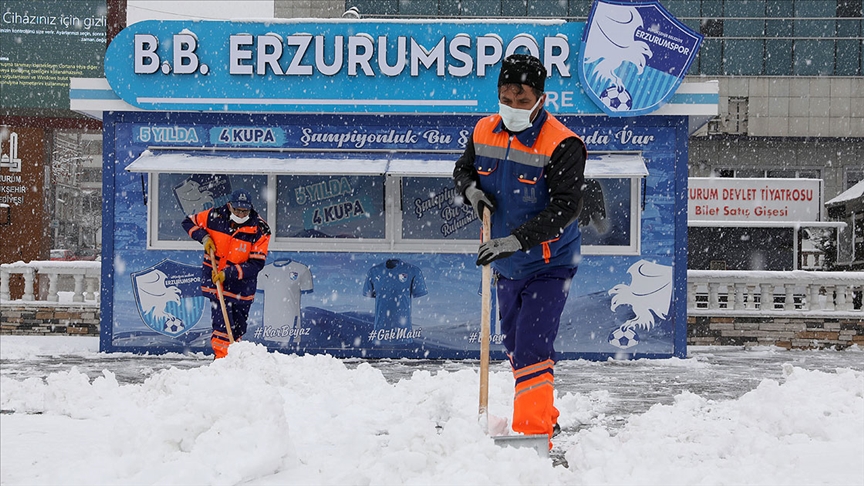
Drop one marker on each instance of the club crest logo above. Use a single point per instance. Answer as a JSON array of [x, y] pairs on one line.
[[168, 296], [634, 56]]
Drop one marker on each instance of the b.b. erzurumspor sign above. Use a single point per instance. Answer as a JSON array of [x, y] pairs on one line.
[[374, 66], [634, 56], [334, 65]]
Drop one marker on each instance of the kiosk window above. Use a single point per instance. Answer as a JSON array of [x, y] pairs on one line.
[[331, 206], [371, 204], [182, 194], [607, 212], [609, 218], [430, 213]]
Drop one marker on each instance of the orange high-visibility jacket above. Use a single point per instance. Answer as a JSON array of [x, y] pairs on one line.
[[241, 250], [535, 178]]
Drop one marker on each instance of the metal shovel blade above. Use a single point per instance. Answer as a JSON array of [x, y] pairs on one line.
[[539, 442]]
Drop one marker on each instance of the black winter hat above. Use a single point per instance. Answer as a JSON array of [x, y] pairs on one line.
[[523, 69]]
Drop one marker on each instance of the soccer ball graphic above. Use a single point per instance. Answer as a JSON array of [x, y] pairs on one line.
[[174, 325], [617, 99], [623, 338]]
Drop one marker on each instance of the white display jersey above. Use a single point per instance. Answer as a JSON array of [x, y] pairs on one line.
[[283, 282]]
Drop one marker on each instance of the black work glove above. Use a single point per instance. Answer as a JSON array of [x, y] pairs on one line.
[[498, 248], [478, 199]]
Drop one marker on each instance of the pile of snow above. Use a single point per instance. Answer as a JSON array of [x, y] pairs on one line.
[[807, 430], [268, 418]]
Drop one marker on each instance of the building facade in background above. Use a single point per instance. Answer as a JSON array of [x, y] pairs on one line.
[[42, 45], [790, 72]]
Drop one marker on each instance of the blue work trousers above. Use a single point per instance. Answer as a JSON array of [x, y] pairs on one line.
[[238, 312], [530, 312]]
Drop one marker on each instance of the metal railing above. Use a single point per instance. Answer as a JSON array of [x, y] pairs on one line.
[[82, 278]]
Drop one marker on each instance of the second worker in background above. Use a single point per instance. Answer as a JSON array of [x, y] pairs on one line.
[[240, 238]]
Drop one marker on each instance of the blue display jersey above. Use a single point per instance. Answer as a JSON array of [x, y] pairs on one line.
[[393, 284]]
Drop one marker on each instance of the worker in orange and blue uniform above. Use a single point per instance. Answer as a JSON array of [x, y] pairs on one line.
[[528, 169], [239, 238]]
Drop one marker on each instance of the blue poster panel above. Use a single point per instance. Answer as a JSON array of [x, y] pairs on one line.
[[373, 255]]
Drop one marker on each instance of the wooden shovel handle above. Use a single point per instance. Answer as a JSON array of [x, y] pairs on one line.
[[222, 302], [485, 324]]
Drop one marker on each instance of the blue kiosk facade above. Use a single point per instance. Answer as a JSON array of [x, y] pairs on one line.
[[345, 134]]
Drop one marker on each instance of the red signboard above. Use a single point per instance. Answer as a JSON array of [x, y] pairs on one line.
[[754, 200]]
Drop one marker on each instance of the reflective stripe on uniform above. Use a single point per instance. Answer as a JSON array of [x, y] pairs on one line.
[[219, 342], [212, 290], [541, 366]]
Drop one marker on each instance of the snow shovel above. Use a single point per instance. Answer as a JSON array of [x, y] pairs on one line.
[[222, 302], [539, 443]]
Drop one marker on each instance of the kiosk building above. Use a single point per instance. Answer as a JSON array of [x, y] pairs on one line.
[[345, 134]]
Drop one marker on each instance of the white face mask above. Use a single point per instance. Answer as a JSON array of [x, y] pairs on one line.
[[515, 119], [238, 219]]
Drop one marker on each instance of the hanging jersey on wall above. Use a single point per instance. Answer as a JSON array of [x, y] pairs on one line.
[[393, 284], [283, 282]]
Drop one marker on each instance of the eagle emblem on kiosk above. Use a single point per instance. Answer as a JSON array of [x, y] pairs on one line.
[[649, 296]]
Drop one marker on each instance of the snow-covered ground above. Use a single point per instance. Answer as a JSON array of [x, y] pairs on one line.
[[723, 416]]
